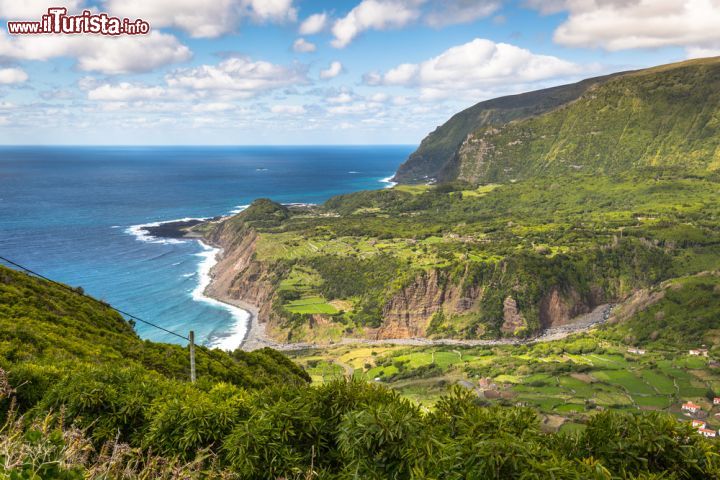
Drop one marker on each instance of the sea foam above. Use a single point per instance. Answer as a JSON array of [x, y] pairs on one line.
[[141, 234], [234, 338], [389, 181]]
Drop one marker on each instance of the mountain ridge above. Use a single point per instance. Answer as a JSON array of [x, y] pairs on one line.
[[481, 144]]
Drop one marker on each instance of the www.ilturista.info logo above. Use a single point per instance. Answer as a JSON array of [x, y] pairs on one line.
[[58, 21]]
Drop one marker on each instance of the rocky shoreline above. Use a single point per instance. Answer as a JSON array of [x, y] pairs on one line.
[[176, 229]]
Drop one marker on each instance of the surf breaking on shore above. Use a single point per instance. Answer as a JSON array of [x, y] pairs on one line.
[[232, 338], [388, 181], [237, 334]]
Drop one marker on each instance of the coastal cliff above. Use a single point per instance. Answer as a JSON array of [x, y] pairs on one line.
[[434, 303], [569, 203], [662, 116]]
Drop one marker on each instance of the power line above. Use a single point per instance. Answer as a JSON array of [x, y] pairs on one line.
[[129, 315], [82, 294]]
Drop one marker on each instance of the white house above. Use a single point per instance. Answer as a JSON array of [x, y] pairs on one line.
[[698, 424]]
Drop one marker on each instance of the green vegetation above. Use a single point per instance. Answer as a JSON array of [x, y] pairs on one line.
[[578, 240], [437, 149], [570, 379], [655, 117], [682, 313], [602, 192], [87, 399]]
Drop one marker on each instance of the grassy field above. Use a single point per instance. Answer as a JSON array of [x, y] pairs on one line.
[[563, 384]]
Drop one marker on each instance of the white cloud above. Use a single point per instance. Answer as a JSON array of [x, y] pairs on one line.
[[402, 74], [271, 10], [125, 92], [451, 12], [204, 18], [622, 24], [340, 98], [373, 14], [547, 7], [109, 55], [33, 9], [313, 24], [303, 46], [479, 64], [332, 71], [12, 75], [214, 107], [288, 109], [240, 76], [702, 52], [385, 14], [356, 108]]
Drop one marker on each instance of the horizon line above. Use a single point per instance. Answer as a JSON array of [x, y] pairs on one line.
[[155, 145]]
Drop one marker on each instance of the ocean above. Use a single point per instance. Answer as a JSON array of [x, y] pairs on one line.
[[72, 214]]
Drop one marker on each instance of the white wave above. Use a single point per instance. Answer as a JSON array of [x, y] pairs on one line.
[[115, 226], [389, 181], [236, 335], [188, 275], [140, 233], [238, 209], [353, 171]]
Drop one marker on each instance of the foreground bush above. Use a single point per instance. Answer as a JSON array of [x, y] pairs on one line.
[[341, 430]]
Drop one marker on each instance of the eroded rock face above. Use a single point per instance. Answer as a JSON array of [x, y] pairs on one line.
[[557, 309], [237, 276], [512, 318], [408, 313]]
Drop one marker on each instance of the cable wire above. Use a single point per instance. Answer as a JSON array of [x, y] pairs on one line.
[[105, 304]]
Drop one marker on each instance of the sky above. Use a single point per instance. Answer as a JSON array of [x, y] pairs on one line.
[[294, 72]]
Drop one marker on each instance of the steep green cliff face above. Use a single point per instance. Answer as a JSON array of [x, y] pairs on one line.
[[664, 116], [456, 260]]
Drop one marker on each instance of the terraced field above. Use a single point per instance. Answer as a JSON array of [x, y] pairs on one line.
[[558, 380]]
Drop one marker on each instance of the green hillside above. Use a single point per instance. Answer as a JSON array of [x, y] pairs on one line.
[[87, 399], [663, 116], [43, 325], [440, 146], [443, 261]]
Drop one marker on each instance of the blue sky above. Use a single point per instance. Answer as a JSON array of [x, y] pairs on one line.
[[318, 72]]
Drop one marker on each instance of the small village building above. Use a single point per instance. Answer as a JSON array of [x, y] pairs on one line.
[[698, 424], [636, 351], [699, 352], [716, 401], [691, 407], [706, 432]]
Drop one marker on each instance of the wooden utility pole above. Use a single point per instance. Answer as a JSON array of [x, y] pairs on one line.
[[192, 356]]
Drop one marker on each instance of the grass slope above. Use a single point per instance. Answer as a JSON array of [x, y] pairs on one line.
[[440, 146], [666, 116]]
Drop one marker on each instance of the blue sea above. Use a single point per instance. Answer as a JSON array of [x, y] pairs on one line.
[[72, 214]]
